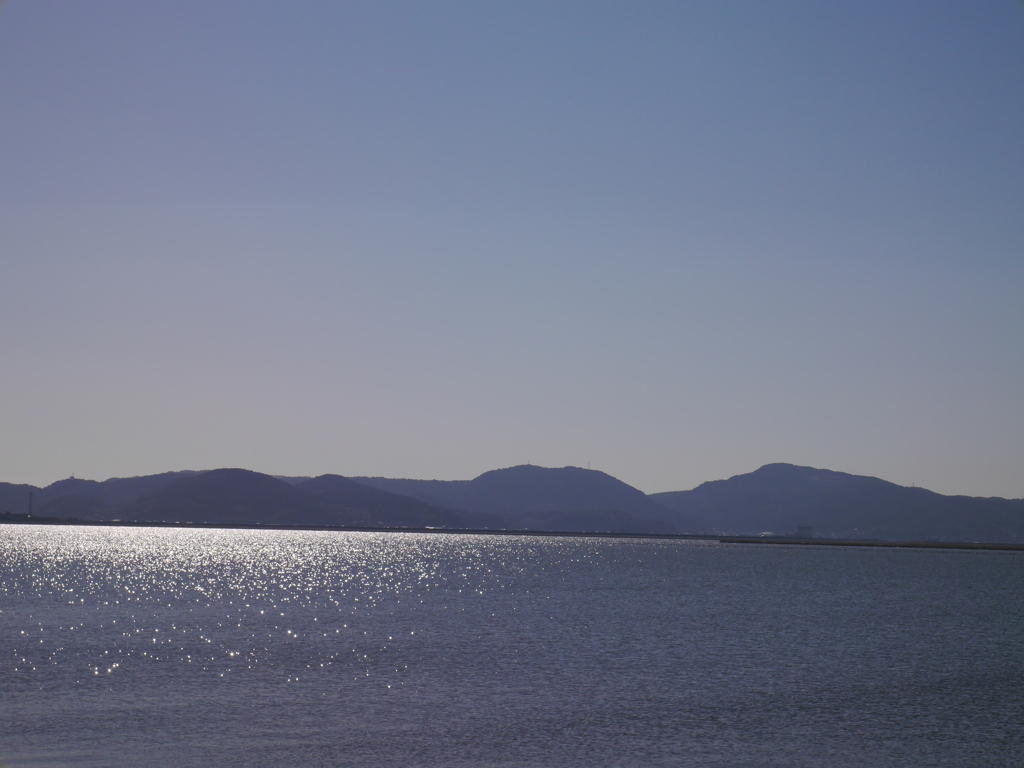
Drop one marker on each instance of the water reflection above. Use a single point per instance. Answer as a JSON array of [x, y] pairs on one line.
[[156, 647], [228, 601]]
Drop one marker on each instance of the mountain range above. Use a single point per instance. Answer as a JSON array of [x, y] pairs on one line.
[[543, 499], [776, 499]]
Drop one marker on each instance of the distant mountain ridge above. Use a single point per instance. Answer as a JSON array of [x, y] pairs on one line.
[[776, 498], [779, 497], [116, 490], [391, 509], [542, 498], [236, 497]]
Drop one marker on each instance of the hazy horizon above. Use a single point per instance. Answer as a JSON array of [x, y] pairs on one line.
[[673, 241]]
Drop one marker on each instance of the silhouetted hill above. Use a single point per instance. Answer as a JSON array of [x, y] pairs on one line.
[[116, 490], [238, 496], [524, 494], [294, 480], [526, 489], [776, 497], [76, 505], [779, 497], [234, 496], [14, 497], [75, 493], [388, 509], [436, 492], [121, 489], [71, 487]]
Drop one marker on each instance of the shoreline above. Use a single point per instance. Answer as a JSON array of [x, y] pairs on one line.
[[961, 545]]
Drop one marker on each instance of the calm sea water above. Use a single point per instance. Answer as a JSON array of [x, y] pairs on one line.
[[158, 647]]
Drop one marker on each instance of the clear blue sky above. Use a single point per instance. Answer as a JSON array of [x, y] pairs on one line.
[[675, 241]]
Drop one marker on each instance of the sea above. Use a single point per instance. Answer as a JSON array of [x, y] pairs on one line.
[[136, 647]]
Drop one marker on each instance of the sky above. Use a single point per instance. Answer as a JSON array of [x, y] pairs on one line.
[[672, 241]]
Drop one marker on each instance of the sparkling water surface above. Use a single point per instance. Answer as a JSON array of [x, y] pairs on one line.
[[168, 647]]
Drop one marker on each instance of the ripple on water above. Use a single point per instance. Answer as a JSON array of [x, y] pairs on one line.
[[163, 646]]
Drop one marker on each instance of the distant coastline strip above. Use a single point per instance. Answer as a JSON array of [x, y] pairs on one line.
[[20, 519], [873, 543]]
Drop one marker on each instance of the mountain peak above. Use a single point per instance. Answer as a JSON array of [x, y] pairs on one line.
[[780, 497]]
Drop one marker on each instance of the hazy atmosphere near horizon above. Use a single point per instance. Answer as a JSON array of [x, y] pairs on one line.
[[673, 241]]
